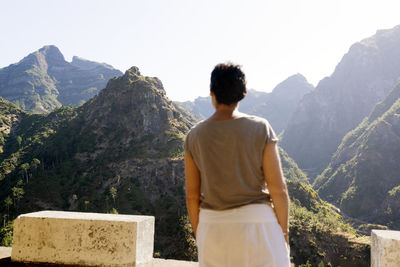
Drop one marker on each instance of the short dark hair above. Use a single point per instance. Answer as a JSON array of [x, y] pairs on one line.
[[228, 83]]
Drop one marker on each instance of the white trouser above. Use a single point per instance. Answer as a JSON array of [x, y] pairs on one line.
[[248, 236]]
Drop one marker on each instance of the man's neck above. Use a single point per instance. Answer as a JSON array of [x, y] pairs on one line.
[[225, 112]]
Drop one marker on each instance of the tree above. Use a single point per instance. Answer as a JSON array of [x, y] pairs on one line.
[[8, 201], [18, 193], [113, 211], [4, 220], [34, 164], [113, 193], [25, 168], [19, 140]]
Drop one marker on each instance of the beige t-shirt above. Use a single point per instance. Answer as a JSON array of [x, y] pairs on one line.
[[229, 155]]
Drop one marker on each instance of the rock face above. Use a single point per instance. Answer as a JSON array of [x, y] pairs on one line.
[[339, 103], [276, 106], [363, 175], [281, 102], [9, 115], [201, 107], [317, 232], [43, 80]]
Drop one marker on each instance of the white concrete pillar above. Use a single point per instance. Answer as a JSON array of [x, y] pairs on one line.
[[385, 248], [88, 239]]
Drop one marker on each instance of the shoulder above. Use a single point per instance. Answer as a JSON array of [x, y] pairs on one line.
[[196, 130], [261, 126], [256, 120], [197, 127]]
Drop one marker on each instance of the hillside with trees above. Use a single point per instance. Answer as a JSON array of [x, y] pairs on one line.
[[362, 178]]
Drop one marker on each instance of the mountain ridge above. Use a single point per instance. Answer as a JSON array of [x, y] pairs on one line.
[[363, 77], [44, 80], [276, 106], [362, 175]]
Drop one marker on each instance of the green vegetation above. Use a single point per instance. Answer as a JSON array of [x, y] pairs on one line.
[[318, 234], [395, 191], [290, 168], [363, 173], [72, 159], [6, 234], [317, 231]]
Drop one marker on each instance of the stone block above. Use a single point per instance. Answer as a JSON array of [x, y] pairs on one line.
[[5, 252], [385, 248], [83, 239]]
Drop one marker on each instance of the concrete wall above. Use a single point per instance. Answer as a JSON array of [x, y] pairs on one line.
[[86, 239], [385, 248]]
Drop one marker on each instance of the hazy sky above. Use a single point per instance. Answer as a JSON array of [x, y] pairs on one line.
[[181, 41]]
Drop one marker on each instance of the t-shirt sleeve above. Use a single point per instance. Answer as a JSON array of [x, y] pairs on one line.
[[270, 134], [187, 145]]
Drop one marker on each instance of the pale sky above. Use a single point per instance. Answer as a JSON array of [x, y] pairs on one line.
[[180, 41]]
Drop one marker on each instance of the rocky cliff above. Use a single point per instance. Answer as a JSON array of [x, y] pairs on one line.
[[363, 175], [9, 115], [340, 102], [44, 80]]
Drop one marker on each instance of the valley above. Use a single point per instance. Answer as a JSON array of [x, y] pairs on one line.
[[83, 136]]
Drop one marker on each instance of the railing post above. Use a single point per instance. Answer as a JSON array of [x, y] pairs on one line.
[[385, 248], [84, 239]]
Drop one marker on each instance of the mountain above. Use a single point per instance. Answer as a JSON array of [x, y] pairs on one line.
[[43, 80], [340, 102], [282, 101], [363, 175], [9, 115], [201, 107], [122, 151], [276, 106], [318, 233], [119, 152]]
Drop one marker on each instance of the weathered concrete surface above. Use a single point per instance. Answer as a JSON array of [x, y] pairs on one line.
[[385, 248], [86, 239], [5, 261], [5, 252]]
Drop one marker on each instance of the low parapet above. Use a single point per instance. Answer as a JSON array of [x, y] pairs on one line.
[[86, 239], [385, 248]]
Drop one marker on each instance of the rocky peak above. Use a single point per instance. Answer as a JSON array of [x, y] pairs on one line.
[[298, 77], [293, 85], [85, 64], [46, 57], [138, 106], [43, 80], [52, 54], [133, 71], [339, 103]]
